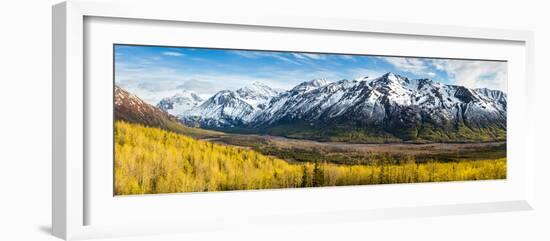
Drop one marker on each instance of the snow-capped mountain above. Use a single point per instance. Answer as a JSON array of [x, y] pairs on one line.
[[301, 102], [310, 85], [256, 94], [390, 105], [180, 102], [230, 108]]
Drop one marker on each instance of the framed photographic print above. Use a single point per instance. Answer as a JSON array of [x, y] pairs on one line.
[[222, 119], [213, 122]]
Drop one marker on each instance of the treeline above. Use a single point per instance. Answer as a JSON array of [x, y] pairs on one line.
[[150, 160], [424, 133], [339, 157]]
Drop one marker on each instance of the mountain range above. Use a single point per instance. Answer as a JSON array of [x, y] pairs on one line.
[[384, 109]]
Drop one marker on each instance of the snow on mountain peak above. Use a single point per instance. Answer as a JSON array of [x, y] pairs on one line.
[[230, 108], [186, 94], [370, 101], [256, 94], [180, 102], [319, 82], [392, 77], [260, 85], [364, 78], [310, 85], [256, 90]]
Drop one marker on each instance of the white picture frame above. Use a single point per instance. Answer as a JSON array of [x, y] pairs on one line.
[[72, 191]]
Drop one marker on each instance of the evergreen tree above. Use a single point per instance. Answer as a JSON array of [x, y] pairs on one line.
[[318, 175], [305, 178]]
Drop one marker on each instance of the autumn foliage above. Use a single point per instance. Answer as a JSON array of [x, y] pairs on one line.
[[150, 160]]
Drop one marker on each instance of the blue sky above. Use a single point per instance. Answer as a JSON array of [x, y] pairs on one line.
[[153, 72]]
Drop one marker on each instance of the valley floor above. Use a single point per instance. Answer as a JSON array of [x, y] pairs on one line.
[[150, 160], [309, 150]]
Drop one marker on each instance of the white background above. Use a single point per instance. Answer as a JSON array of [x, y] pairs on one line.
[[232, 207], [25, 122]]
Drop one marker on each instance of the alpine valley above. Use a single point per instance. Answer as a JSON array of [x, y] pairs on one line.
[[389, 108], [318, 133], [189, 119]]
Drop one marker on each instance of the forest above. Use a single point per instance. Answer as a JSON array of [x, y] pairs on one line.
[[151, 160]]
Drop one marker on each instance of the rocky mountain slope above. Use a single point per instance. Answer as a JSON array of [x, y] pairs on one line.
[[130, 108], [230, 108], [384, 109]]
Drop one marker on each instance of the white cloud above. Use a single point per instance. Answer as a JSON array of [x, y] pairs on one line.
[[475, 74], [147, 83], [360, 73], [257, 54], [153, 84], [300, 56], [306, 56], [348, 57], [469, 73], [172, 53], [412, 65]]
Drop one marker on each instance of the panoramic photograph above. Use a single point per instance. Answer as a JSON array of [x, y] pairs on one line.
[[190, 119]]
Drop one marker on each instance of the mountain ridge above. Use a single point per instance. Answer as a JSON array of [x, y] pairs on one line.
[[130, 108], [230, 108], [387, 108], [180, 102]]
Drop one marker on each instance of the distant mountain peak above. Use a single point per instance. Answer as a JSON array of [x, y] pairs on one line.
[[257, 90], [393, 77], [129, 107], [318, 82], [310, 85], [188, 94], [182, 101], [231, 108], [259, 84]]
